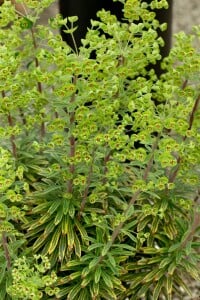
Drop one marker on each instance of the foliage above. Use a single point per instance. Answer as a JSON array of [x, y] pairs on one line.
[[99, 158]]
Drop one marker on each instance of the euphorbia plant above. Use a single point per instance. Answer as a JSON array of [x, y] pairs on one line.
[[102, 157]]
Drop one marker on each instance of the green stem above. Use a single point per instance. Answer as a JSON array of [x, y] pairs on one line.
[[72, 142], [173, 175], [5, 248], [133, 199], [39, 84]]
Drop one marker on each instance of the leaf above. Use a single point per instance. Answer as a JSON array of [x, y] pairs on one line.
[[64, 224], [47, 191], [157, 289], [111, 260], [77, 245], [70, 235], [169, 283], [172, 267], [85, 272], [75, 275], [94, 246], [74, 292], [150, 275], [49, 228], [97, 274], [83, 295], [93, 263], [125, 246], [66, 204], [151, 250], [3, 270], [59, 216], [165, 261], [39, 242], [86, 281], [62, 247], [142, 224], [71, 30], [182, 284], [107, 279], [82, 231], [40, 208], [142, 291], [54, 240], [106, 248], [154, 226], [54, 206], [130, 235], [191, 269], [174, 247], [107, 293], [94, 289], [71, 264]]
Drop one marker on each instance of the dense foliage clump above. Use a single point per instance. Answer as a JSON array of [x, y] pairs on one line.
[[99, 177]]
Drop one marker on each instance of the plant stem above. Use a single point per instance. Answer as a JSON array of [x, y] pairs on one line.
[[134, 197], [12, 138], [39, 84], [173, 175], [195, 225], [5, 247], [72, 142], [86, 191]]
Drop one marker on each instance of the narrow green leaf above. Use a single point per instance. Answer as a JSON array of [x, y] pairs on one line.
[[172, 267], [165, 261], [94, 289], [74, 292], [94, 246], [84, 294], [62, 247], [54, 206], [86, 281], [66, 204], [39, 242], [85, 272], [59, 216], [107, 293], [49, 228], [191, 269], [64, 224], [111, 260], [40, 208], [142, 224], [143, 290], [169, 284], [150, 275], [77, 245], [82, 231], [157, 289], [93, 263], [97, 274], [182, 284], [107, 279], [3, 269], [75, 275], [106, 248], [174, 247], [46, 191], [70, 235], [54, 240], [154, 226]]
